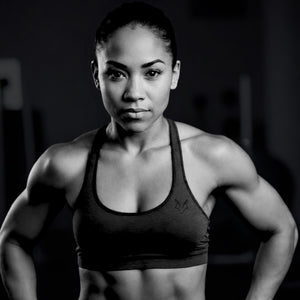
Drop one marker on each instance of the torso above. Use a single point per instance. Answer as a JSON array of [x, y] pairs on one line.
[[139, 180]]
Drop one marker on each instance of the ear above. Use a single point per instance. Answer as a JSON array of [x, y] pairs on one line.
[[175, 75], [94, 68]]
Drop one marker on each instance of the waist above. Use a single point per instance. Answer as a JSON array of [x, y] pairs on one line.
[[170, 284]]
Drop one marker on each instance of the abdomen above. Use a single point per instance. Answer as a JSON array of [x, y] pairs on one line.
[[150, 284]]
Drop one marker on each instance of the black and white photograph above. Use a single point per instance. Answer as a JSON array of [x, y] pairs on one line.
[[149, 150]]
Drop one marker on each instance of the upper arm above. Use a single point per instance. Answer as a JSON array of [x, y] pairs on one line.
[[261, 205], [36, 206], [254, 197]]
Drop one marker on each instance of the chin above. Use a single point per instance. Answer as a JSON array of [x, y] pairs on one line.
[[135, 125]]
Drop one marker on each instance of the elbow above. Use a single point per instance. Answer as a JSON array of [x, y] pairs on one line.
[[12, 238], [292, 232], [3, 240], [287, 231], [295, 235]]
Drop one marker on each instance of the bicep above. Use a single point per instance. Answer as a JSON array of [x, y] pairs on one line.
[[30, 214], [253, 196], [40, 202], [261, 205]]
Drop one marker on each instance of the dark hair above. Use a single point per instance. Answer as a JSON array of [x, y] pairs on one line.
[[138, 13]]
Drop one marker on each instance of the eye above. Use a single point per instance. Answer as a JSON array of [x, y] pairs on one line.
[[114, 75], [151, 74]]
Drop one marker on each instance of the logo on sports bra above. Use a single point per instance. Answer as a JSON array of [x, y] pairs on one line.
[[181, 206]]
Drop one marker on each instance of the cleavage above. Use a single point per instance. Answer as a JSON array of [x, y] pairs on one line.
[[134, 185]]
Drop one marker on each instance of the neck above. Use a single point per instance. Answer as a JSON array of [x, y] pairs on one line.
[[137, 142]]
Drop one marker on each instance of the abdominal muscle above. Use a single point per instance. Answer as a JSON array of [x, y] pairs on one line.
[[150, 284]]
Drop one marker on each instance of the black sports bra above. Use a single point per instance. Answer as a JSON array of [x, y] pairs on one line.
[[173, 234]]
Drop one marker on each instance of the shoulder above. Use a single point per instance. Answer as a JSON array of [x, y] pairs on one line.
[[202, 144], [230, 163], [60, 163]]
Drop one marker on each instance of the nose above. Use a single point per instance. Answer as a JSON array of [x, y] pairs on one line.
[[134, 89]]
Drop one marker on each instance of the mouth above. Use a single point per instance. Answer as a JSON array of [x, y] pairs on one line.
[[134, 110], [134, 113]]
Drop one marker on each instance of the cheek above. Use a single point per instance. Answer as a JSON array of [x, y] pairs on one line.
[[108, 96], [161, 91], [111, 92]]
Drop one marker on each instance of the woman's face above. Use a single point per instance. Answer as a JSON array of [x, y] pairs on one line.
[[135, 75]]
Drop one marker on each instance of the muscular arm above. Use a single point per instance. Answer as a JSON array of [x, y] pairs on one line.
[[26, 220], [262, 206], [17, 267], [264, 209]]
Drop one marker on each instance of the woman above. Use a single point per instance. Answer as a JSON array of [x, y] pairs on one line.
[[142, 188]]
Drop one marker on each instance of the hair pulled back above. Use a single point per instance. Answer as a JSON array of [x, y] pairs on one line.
[[138, 13]]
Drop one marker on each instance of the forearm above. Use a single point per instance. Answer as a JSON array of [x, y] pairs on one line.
[[18, 272], [271, 265]]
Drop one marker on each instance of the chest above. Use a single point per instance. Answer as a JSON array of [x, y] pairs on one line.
[[142, 183]]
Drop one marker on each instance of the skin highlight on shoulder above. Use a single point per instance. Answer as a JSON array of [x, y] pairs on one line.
[[62, 166], [230, 164], [203, 144]]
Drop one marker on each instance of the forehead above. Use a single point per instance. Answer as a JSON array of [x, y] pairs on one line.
[[134, 45]]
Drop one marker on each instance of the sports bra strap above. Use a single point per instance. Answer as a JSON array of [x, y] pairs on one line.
[[92, 159], [177, 160]]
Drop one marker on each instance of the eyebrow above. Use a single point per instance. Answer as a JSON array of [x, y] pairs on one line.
[[124, 67]]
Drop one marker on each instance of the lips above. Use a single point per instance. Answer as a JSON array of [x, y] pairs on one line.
[[134, 110], [136, 113]]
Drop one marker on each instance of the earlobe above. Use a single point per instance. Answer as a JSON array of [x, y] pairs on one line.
[[94, 68], [175, 75]]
